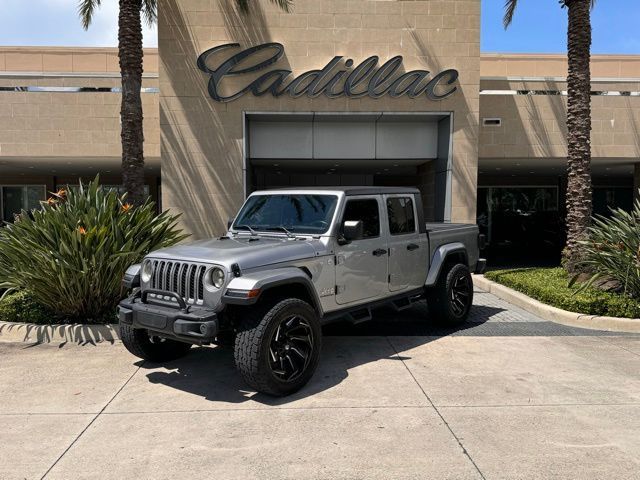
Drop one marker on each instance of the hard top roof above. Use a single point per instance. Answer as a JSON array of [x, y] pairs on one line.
[[354, 190]]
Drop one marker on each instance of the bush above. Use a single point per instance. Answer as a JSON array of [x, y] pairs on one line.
[[70, 255], [20, 307], [612, 251], [551, 286]]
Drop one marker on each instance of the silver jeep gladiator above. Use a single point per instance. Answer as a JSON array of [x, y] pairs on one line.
[[291, 261]]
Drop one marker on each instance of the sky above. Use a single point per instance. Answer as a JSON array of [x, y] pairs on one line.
[[539, 26]]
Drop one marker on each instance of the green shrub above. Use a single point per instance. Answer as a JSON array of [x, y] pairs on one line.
[[20, 307], [71, 254], [612, 251], [551, 286]]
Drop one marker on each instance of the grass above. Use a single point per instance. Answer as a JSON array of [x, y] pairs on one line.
[[551, 286]]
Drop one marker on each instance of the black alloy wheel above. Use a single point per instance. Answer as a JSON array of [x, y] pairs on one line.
[[290, 348], [461, 291], [451, 298], [277, 345]]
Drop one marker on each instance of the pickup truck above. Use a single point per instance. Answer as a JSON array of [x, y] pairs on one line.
[[291, 261]]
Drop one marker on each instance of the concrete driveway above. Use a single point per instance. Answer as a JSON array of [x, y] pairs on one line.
[[509, 396]]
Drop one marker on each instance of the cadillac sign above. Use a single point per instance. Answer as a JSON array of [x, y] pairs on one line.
[[336, 79]]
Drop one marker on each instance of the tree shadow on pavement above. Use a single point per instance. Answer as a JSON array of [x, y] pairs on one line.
[[210, 371]]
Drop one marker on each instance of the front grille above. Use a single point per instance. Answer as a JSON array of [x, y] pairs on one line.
[[185, 279]]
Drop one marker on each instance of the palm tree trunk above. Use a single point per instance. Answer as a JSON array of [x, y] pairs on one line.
[[579, 130], [130, 54]]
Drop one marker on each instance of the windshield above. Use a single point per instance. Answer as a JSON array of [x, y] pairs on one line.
[[294, 213]]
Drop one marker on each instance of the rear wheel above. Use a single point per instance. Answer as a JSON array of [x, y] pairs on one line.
[[277, 347], [450, 299], [151, 347]]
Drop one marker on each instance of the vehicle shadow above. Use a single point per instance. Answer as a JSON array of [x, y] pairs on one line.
[[210, 372]]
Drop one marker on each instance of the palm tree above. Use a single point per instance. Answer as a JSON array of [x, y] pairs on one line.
[[130, 55], [578, 123]]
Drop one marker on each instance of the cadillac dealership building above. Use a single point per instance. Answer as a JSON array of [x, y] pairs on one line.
[[335, 93]]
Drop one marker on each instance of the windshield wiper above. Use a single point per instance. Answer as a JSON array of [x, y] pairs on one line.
[[281, 228], [248, 227]]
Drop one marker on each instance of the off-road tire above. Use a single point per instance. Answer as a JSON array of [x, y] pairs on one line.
[[139, 343], [440, 297], [254, 333]]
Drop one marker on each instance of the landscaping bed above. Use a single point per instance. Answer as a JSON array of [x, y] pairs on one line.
[[551, 286]]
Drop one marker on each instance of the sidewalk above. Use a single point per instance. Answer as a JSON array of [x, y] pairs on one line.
[[508, 396]]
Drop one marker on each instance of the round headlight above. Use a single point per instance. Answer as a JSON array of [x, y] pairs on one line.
[[216, 277], [146, 271]]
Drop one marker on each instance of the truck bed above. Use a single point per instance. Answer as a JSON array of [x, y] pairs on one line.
[[465, 233]]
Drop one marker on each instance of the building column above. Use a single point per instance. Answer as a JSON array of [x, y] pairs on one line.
[[426, 184], [636, 181]]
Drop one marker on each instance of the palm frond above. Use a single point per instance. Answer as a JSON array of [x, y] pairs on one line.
[[243, 5], [285, 5], [509, 10], [85, 11], [563, 3], [150, 11]]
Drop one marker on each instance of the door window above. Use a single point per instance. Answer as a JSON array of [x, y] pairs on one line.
[[401, 217], [365, 210]]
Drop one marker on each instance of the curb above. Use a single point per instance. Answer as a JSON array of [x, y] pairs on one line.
[[58, 334], [557, 315]]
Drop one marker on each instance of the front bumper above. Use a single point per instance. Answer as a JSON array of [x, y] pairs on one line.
[[181, 321]]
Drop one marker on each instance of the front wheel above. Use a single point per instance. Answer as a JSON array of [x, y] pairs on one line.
[[277, 347], [150, 347], [450, 299]]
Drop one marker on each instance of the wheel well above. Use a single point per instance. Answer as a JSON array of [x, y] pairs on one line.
[[454, 258], [450, 260], [289, 290]]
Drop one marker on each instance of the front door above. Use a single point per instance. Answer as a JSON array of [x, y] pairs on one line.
[[361, 269]]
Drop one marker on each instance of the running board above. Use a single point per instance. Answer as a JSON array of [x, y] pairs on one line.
[[359, 316], [406, 302]]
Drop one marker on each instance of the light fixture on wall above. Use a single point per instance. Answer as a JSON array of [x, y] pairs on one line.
[[492, 122]]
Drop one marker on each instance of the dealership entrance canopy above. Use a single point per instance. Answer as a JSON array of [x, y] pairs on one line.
[[334, 93]]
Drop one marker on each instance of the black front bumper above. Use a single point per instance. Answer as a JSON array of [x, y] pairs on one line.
[[179, 321]]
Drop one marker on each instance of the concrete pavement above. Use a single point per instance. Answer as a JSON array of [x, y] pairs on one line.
[[507, 396]]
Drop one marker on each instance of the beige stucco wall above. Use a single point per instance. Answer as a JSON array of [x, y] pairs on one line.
[[49, 125], [534, 126], [202, 141]]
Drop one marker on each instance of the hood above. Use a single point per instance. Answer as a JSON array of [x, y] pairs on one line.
[[241, 250]]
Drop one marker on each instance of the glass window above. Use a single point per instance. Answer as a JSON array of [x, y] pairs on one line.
[[607, 198], [16, 198], [365, 211], [119, 188], [401, 217], [298, 213]]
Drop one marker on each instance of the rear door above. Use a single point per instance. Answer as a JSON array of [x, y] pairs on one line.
[[407, 250], [361, 266]]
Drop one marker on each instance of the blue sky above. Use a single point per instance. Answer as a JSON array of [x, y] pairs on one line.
[[539, 26]]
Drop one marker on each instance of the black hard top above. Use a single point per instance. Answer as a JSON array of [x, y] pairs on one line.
[[359, 190]]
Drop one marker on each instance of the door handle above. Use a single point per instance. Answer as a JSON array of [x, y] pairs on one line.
[[413, 246], [379, 252]]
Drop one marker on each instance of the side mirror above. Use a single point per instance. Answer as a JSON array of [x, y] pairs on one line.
[[229, 223], [352, 230]]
